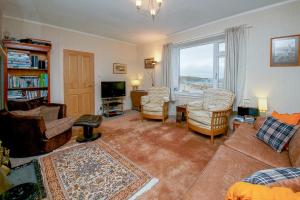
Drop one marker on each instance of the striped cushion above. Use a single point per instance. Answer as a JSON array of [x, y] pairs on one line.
[[275, 133], [268, 176]]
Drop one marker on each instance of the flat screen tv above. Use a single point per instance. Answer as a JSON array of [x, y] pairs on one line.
[[113, 89]]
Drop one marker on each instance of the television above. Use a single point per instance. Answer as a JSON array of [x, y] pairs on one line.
[[113, 89]]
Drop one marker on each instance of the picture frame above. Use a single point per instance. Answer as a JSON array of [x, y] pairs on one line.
[[149, 63], [285, 51], [119, 68]]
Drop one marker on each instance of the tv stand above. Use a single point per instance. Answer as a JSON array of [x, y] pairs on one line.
[[112, 106]]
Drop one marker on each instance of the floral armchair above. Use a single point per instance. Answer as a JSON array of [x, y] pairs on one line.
[[156, 104], [210, 115]]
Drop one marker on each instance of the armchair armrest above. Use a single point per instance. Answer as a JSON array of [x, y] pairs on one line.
[[62, 113], [166, 99], [220, 118], [145, 100]]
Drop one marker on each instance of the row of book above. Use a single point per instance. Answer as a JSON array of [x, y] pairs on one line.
[[28, 81], [23, 59], [27, 94], [19, 59]]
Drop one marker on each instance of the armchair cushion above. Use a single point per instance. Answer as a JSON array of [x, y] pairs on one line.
[[195, 105], [201, 116], [153, 107], [145, 99], [58, 126], [217, 99]]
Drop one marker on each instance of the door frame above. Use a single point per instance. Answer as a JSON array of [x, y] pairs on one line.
[[67, 51]]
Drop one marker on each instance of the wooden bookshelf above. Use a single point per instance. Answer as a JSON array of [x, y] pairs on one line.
[[23, 73]]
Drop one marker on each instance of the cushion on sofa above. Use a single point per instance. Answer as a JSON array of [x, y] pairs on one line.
[[244, 140], [268, 176], [49, 113], [294, 149], [58, 126], [275, 133], [225, 168], [247, 191], [292, 119], [32, 112]]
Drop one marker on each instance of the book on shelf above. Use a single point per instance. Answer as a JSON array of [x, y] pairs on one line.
[[28, 81], [23, 59]]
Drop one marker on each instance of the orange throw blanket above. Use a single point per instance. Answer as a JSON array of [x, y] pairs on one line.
[[247, 191]]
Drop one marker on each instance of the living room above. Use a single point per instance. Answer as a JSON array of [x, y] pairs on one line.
[[145, 72]]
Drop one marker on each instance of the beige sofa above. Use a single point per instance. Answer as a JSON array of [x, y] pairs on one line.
[[240, 156]]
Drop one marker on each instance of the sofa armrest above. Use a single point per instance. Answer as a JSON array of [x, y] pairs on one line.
[[62, 113], [145, 100]]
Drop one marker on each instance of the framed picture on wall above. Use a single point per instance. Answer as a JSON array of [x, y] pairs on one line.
[[285, 51], [149, 63], [119, 68]]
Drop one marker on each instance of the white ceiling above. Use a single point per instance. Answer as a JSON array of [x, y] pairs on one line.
[[120, 20]]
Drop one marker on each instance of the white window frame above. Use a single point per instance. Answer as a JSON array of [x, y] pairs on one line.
[[216, 40]]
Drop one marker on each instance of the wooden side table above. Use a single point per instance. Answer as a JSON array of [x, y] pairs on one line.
[[136, 98], [181, 114]]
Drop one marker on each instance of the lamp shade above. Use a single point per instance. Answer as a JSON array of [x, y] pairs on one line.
[[263, 104], [135, 82]]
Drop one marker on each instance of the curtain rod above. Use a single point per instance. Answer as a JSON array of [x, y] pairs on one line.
[[206, 36]]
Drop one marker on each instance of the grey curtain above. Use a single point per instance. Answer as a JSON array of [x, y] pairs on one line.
[[170, 68], [235, 68]]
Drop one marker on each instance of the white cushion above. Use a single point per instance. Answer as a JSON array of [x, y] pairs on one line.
[[203, 117], [154, 107]]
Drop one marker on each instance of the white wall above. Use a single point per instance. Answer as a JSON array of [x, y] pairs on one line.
[[106, 51], [281, 84]]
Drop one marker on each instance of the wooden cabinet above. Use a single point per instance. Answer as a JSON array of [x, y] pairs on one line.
[[136, 98]]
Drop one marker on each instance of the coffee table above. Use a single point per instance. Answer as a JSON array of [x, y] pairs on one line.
[[88, 122]]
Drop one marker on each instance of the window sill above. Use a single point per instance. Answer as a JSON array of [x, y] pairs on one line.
[[189, 94]]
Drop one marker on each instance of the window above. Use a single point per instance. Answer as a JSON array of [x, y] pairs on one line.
[[202, 66]]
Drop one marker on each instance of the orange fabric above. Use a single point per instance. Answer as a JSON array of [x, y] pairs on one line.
[[247, 191], [292, 119]]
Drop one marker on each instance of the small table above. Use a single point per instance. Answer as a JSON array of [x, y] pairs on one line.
[[136, 96], [180, 114], [88, 122]]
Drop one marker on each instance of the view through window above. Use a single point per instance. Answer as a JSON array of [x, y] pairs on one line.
[[202, 66]]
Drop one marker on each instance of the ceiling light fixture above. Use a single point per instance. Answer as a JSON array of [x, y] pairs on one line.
[[154, 6]]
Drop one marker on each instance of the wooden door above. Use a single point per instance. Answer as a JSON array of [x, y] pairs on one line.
[[79, 83]]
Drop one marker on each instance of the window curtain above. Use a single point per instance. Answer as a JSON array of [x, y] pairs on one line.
[[170, 68], [235, 68]]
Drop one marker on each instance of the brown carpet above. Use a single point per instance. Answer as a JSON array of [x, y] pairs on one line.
[[167, 151]]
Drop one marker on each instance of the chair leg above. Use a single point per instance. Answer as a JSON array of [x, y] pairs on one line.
[[163, 119], [212, 139]]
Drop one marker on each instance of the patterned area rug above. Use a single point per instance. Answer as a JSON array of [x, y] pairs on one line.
[[93, 171]]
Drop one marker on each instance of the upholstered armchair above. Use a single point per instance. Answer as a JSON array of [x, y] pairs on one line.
[[210, 115], [156, 104]]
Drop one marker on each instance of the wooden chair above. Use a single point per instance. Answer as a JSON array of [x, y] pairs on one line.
[[210, 116], [156, 104]]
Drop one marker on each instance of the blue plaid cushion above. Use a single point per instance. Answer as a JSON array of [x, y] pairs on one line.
[[268, 176], [275, 133]]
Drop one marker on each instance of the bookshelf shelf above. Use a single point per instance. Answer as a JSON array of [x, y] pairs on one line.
[[26, 71], [30, 88]]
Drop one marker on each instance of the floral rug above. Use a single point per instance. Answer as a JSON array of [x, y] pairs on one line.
[[93, 171]]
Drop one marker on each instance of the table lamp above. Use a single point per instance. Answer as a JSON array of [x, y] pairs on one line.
[[263, 105], [135, 84]]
